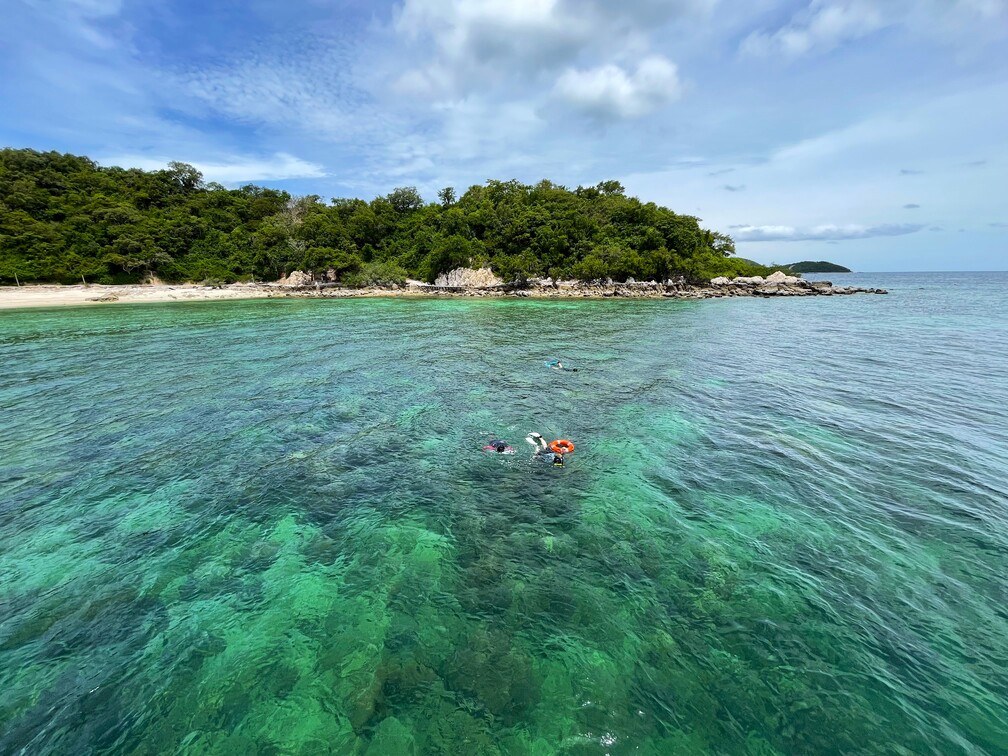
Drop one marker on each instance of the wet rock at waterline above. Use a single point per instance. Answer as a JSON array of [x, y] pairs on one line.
[[467, 282]]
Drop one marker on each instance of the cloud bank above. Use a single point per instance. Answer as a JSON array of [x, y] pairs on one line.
[[821, 233], [239, 170], [612, 92], [823, 25]]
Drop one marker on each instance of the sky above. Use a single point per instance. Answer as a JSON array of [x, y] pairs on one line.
[[873, 133]]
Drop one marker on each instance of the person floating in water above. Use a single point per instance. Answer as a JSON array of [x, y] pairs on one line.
[[557, 365], [553, 453], [501, 447]]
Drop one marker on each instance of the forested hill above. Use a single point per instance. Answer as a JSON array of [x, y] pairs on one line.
[[64, 218], [820, 266]]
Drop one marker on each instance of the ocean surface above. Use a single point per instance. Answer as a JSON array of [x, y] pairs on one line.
[[269, 527]]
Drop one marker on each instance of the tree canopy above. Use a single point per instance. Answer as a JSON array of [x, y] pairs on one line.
[[64, 218]]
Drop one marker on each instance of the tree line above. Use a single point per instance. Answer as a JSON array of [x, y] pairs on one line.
[[64, 218]]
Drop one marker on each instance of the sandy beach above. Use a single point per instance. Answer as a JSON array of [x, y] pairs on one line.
[[12, 297]]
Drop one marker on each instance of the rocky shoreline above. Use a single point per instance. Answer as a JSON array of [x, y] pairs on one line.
[[301, 285], [453, 285]]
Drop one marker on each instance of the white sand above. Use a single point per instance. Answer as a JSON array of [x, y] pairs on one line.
[[55, 296]]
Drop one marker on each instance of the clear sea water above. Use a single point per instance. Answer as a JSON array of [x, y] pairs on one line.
[[268, 527]]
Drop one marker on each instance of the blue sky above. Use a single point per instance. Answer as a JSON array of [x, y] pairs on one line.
[[870, 132]]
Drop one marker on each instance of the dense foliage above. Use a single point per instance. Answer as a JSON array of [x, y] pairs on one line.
[[64, 218], [820, 266]]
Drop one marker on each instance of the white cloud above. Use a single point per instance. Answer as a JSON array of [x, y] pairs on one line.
[[825, 24], [882, 133], [238, 170], [822, 26], [612, 92], [458, 47], [828, 232], [94, 22], [313, 90]]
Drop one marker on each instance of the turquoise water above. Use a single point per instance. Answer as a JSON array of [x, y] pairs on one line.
[[267, 527]]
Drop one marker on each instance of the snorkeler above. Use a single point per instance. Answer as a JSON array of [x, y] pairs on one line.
[[501, 447], [557, 365], [543, 451]]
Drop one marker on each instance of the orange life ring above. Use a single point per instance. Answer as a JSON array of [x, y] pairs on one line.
[[562, 446]]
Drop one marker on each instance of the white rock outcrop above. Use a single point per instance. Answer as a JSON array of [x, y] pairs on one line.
[[469, 278], [780, 277], [296, 278]]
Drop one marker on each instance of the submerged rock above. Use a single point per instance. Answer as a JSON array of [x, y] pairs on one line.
[[391, 736]]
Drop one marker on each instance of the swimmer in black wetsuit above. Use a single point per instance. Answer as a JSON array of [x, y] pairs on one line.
[[557, 365], [501, 447], [542, 450]]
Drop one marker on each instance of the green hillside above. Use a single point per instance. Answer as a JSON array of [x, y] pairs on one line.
[[64, 217], [817, 267]]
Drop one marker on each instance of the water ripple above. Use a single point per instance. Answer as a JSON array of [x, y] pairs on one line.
[[270, 526]]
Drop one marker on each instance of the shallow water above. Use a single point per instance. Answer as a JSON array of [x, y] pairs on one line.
[[268, 527]]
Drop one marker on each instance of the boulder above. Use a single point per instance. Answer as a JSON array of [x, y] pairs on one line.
[[297, 278], [748, 280], [719, 281], [780, 277], [543, 283], [468, 278]]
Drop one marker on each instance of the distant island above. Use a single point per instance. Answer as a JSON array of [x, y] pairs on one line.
[[65, 219], [821, 266]]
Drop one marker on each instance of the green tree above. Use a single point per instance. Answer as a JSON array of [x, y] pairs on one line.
[[447, 197], [405, 199]]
